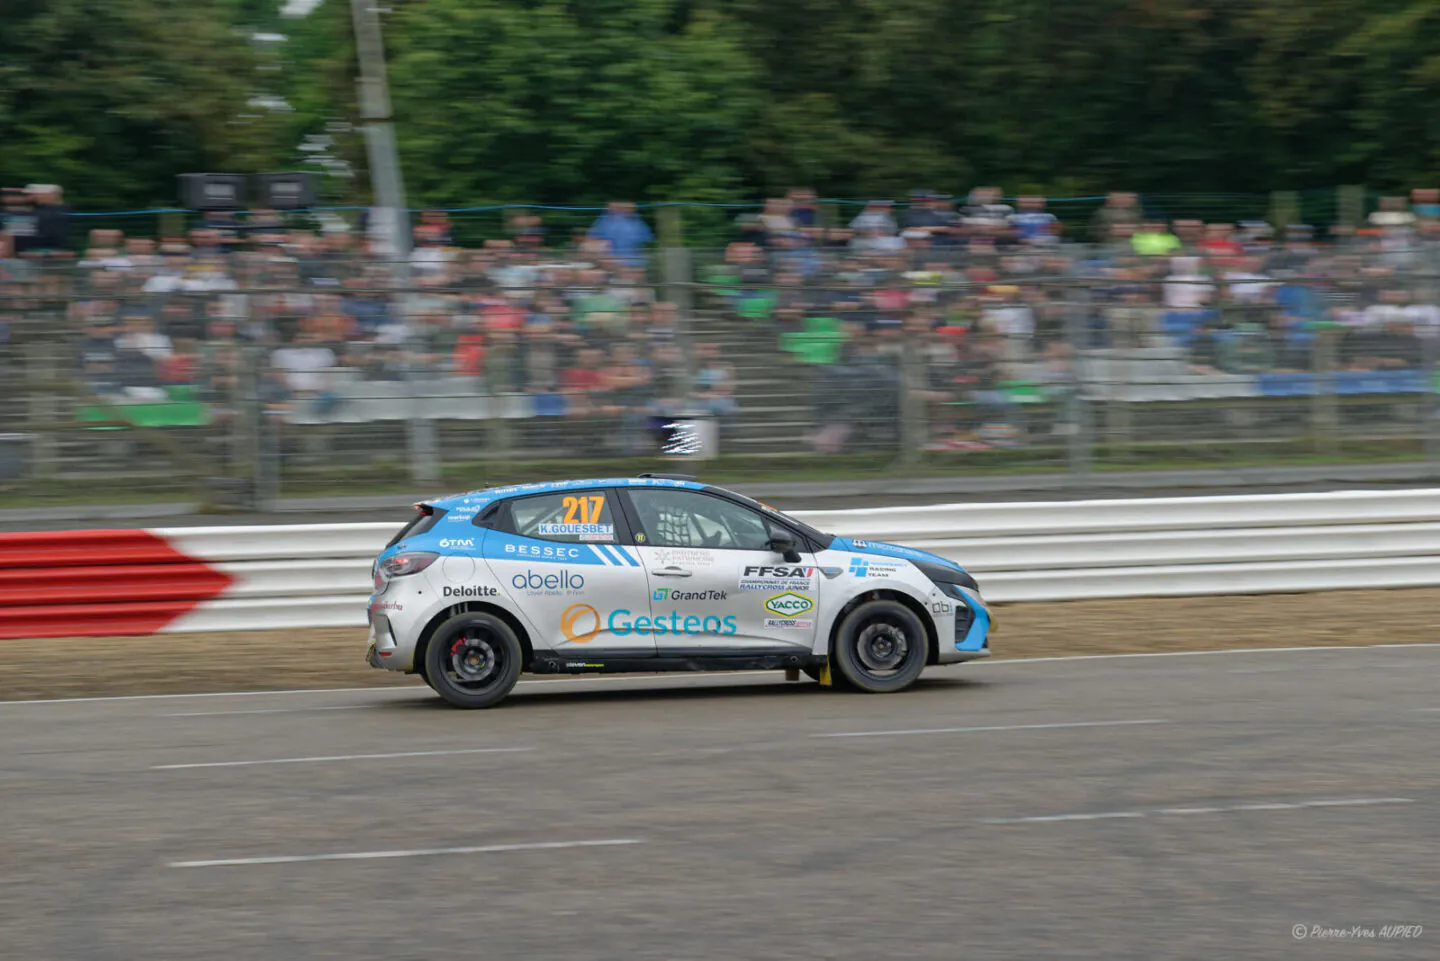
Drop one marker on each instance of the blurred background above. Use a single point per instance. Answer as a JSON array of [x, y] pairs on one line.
[[812, 241]]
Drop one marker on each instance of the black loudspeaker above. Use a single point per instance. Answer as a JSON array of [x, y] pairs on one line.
[[212, 191], [286, 191]]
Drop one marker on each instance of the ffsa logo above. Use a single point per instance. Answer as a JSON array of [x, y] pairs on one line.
[[798, 572]]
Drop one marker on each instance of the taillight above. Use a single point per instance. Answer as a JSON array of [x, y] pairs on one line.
[[399, 565]]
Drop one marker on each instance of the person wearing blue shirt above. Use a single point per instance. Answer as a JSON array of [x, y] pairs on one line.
[[624, 231]]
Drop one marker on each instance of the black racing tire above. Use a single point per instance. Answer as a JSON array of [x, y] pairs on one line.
[[881, 647], [473, 660]]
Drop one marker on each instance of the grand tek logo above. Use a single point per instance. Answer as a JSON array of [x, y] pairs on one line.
[[789, 604], [670, 594]]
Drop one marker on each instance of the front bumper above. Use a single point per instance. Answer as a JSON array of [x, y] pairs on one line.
[[973, 625]]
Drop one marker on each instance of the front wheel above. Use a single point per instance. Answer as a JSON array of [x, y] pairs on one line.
[[880, 647], [473, 660]]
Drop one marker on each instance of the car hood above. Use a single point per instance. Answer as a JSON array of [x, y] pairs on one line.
[[882, 549]]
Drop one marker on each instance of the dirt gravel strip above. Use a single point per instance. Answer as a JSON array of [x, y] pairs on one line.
[[335, 657]]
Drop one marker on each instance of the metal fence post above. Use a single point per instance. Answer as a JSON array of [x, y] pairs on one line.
[[1080, 431], [420, 442], [913, 425], [42, 365], [1324, 404]]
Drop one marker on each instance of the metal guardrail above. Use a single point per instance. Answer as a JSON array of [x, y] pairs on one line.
[[300, 576]]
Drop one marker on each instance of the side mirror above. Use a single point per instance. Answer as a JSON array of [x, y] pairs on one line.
[[783, 542]]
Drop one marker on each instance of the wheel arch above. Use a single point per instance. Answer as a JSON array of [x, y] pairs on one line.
[[471, 607], [932, 636]]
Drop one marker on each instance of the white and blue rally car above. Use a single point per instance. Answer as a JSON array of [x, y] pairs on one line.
[[655, 573]]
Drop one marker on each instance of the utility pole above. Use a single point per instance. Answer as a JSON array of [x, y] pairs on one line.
[[379, 130], [392, 218]]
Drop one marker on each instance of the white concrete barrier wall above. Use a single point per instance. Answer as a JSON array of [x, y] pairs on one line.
[[297, 576]]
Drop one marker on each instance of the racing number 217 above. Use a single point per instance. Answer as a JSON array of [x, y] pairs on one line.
[[589, 508]]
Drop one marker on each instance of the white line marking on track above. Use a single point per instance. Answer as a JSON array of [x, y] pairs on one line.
[[996, 727], [415, 853], [272, 710], [1010, 661], [989, 663], [340, 757], [1182, 811], [399, 689]]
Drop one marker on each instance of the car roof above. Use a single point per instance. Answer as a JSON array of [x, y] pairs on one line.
[[489, 494]]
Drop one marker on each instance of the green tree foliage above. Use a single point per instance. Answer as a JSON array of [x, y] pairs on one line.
[[553, 101], [114, 98], [577, 101]]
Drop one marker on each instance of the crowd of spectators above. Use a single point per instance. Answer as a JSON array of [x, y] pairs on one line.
[[993, 303], [970, 308], [244, 306]]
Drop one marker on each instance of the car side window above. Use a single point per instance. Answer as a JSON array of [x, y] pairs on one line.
[[572, 517], [681, 518]]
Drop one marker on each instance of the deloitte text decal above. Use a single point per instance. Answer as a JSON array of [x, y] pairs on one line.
[[580, 623], [480, 590]]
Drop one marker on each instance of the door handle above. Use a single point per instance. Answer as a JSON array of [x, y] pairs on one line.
[[671, 572]]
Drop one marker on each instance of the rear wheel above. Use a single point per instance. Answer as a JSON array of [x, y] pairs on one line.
[[473, 660], [880, 647]]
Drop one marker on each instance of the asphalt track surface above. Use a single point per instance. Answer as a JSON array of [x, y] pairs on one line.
[[1112, 807]]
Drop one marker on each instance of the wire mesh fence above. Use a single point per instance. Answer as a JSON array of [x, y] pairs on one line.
[[236, 377]]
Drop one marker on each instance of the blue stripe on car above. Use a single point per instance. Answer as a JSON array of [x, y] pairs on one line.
[[974, 638]]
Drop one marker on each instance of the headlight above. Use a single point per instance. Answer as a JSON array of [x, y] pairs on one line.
[[399, 565], [946, 576]]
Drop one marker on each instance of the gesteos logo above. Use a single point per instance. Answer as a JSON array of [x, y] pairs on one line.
[[580, 623], [789, 604]]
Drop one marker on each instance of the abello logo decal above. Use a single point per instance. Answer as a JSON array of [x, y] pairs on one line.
[[457, 542], [482, 590], [554, 581]]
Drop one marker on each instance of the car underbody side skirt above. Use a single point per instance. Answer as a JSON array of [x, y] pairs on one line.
[[549, 662]]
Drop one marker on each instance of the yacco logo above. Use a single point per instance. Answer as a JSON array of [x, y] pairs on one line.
[[580, 623], [789, 604], [671, 594], [559, 580], [457, 542]]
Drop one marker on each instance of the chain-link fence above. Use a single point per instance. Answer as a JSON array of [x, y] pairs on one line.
[[235, 378]]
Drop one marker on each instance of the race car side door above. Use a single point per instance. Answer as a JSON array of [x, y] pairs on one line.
[[716, 583], [563, 561]]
